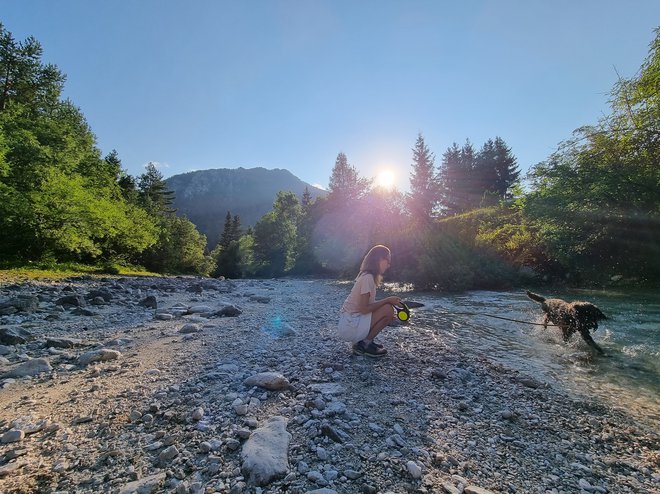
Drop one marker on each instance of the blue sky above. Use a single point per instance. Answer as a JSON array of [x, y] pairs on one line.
[[291, 83]]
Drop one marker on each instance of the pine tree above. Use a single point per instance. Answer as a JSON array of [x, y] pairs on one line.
[[235, 228], [424, 185], [346, 185], [155, 196], [225, 237], [484, 174], [227, 253], [306, 198], [506, 169], [23, 77]]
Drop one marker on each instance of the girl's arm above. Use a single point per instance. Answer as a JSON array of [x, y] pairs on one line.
[[365, 307]]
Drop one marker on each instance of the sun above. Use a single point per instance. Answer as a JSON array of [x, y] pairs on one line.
[[385, 179]]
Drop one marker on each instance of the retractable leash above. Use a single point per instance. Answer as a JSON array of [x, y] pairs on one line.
[[496, 317], [403, 311]]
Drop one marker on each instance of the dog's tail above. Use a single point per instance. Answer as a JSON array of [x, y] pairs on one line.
[[535, 297]]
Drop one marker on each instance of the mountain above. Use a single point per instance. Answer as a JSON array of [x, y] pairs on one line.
[[205, 196]]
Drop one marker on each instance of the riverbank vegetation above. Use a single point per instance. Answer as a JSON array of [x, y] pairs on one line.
[[589, 214]]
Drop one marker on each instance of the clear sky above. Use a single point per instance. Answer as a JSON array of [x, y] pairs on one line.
[[289, 84]]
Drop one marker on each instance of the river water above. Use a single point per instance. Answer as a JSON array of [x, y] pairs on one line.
[[628, 377]]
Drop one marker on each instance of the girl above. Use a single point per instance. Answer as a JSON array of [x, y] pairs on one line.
[[362, 317]]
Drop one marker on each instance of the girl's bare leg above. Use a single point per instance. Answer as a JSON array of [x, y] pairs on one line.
[[380, 318]]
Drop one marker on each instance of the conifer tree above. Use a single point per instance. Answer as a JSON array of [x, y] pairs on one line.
[[235, 228], [424, 185], [484, 176], [227, 253], [155, 196], [306, 198], [226, 236], [346, 185], [506, 169]]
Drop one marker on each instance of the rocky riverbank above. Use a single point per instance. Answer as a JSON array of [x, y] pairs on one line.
[[191, 385]]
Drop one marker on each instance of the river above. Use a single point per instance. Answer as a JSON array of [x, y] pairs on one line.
[[628, 377]]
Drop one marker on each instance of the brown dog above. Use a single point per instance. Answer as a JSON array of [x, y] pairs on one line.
[[571, 317]]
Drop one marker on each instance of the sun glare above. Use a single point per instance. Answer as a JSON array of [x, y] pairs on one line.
[[385, 179]]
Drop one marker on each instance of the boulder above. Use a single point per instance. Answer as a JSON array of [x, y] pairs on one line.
[[32, 367], [149, 302], [13, 336], [62, 342], [75, 300], [265, 454], [100, 355], [22, 303], [229, 311], [273, 381]]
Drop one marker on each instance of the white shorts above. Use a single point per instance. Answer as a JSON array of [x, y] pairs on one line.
[[353, 327]]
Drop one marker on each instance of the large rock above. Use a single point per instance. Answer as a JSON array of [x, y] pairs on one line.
[[273, 381], [264, 454], [75, 300], [13, 336], [62, 342], [150, 302], [104, 294], [23, 303], [229, 311], [30, 368], [100, 355]]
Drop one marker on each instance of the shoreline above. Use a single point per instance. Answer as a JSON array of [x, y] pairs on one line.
[[170, 411]]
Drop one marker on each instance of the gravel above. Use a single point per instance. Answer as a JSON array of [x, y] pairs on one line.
[[157, 384]]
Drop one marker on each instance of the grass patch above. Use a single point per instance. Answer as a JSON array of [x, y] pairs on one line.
[[58, 271]]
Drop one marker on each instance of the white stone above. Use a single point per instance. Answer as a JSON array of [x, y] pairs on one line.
[[414, 470], [273, 381], [100, 355], [265, 454]]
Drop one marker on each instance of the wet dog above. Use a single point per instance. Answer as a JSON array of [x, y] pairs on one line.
[[571, 317]]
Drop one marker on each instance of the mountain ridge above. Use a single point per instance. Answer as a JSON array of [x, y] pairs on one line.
[[205, 196]]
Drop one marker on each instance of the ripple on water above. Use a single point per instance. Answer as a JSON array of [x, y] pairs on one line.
[[628, 378]]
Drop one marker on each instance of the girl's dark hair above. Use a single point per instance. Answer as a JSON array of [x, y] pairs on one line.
[[370, 263]]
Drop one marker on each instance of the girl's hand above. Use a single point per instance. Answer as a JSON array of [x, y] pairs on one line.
[[394, 300]]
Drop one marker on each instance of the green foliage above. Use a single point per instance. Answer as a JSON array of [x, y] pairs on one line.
[[596, 201], [276, 236], [247, 265], [470, 179], [23, 78], [68, 218], [59, 200], [180, 249], [449, 260], [227, 252]]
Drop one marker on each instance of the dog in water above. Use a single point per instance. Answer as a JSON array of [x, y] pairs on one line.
[[571, 317]]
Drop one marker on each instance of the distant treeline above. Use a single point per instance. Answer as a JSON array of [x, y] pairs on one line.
[[590, 211]]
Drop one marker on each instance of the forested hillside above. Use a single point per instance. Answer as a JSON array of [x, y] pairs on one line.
[[60, 200]]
